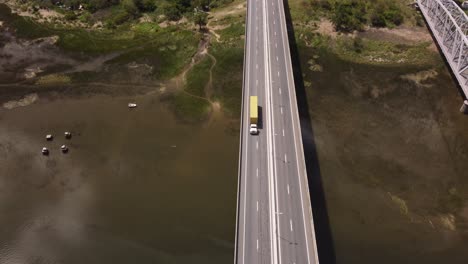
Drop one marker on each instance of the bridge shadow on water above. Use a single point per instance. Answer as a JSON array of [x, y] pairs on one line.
[[325, 244]]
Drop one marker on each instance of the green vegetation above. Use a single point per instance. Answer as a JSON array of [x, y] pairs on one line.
[[227, 76], [198, 77], [200, 19], [168, 51], [382, 52], [191, 104], [126, 10], [234, 31], [350, 15]]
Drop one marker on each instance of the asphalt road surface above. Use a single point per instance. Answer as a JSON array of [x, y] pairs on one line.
[[275, 223]]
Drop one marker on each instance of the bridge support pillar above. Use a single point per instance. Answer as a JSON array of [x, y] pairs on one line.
[[464, 108]]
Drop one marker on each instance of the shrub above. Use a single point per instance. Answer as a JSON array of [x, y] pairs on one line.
[[172, 12], [70, 15], [349, 15]]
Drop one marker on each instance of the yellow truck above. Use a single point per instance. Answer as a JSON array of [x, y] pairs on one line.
[[253, 115]]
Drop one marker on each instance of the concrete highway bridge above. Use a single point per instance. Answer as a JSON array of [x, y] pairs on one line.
[[449, 25], [274, 213]]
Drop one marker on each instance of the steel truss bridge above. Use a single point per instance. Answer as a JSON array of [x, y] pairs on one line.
[[449, 24]]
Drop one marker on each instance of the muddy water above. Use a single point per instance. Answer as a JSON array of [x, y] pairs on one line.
[[136, 187], [392, 154]]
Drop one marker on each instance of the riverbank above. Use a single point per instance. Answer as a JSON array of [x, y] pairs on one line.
[[143, 55]]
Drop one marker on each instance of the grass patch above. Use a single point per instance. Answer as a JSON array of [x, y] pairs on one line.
[[234, 31], [53, 79], [147, 28], [229, 20], [381, 52], [400, 203], [167, 50], [198, 77], [227, 76], [168, 53]]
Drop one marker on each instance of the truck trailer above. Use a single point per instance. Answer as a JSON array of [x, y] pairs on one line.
[[253, 115]]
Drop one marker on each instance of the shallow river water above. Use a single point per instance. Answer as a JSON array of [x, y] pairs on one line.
[[392, 155], [136, 187]]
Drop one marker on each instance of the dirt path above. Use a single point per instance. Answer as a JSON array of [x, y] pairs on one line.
[[209, 85]]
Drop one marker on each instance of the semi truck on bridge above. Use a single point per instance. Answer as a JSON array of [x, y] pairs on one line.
[[253, 115]]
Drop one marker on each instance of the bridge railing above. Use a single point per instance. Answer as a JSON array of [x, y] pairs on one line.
[[449, 24]]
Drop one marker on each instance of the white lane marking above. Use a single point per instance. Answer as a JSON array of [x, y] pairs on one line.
[[276, 46], [285, 158], [290, 224], [283, 132], [256, 82], [257, 172], [281, 110], [276, 58], [275, 33], [257, 144], [273, 22], [278, 74], [257, 206], [257, 244], [256, 66], [256, 51], [288, 190], [279, 90]]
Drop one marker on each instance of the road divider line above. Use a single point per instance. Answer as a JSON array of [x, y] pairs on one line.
[[283, 132], [288, 188], [290, 224]]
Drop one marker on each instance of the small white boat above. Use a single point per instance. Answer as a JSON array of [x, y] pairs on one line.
[[49, 137], [68, 135], [132, 105], [45, 151], [64, 148]]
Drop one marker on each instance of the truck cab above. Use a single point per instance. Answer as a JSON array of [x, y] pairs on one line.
[[253, 129]]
